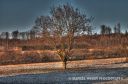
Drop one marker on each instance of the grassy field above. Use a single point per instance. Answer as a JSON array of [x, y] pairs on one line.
[[42, 56]]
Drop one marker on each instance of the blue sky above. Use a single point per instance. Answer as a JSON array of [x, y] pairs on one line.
[[21, 14]]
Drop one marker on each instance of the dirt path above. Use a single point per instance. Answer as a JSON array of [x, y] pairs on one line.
[[51, 66]]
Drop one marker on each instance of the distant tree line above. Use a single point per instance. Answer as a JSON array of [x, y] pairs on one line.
[[108, 30], [19, 35]]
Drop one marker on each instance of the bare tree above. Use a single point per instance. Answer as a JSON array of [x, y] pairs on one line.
[[7, 39], [23, 35], [15, 34], [62, 26], [42, 24], [32, 34], [126, 32], [105, 29], [4, 39], [117, 28]]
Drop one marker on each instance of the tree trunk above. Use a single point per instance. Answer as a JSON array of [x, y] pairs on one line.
[[64, 64], [63, 56]]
